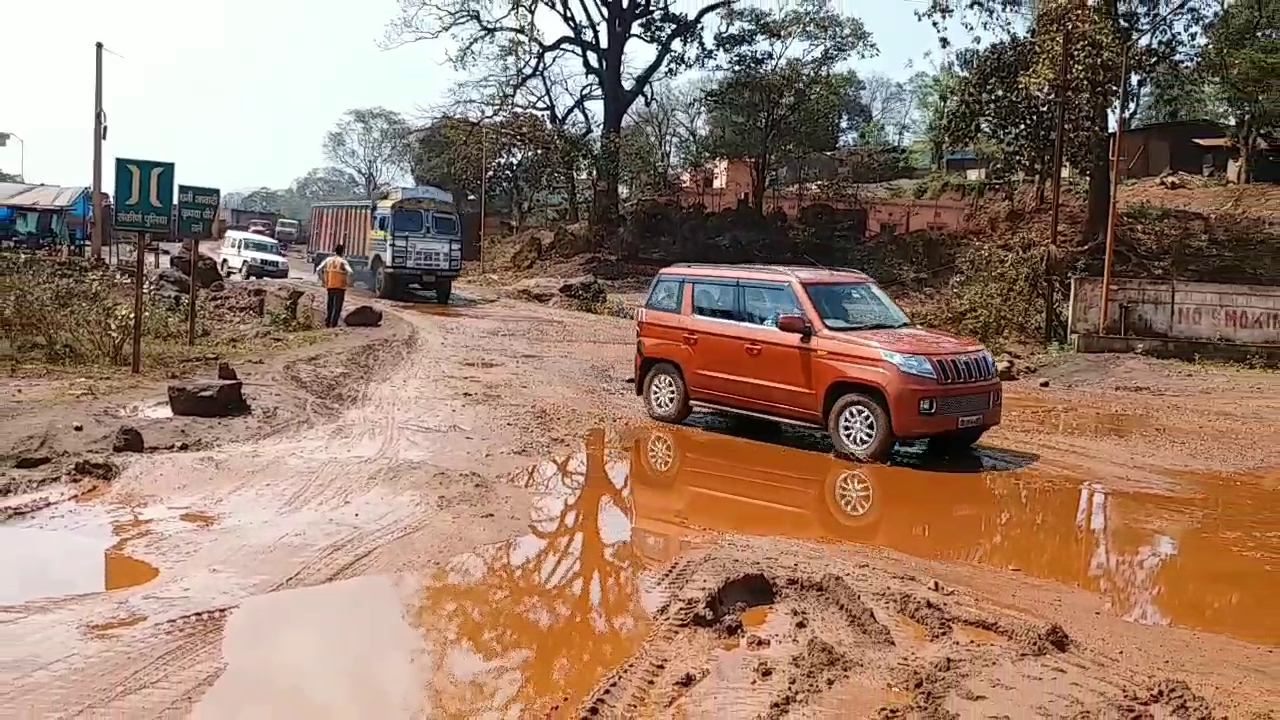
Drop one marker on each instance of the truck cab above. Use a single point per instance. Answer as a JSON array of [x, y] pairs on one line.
[[416, 240]]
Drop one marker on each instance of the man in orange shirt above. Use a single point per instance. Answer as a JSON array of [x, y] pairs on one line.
[[335, 273]]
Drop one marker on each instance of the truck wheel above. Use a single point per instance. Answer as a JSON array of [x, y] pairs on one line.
[[444, 288], [956, 442], [665, 396], [384, 284], [860, 428]]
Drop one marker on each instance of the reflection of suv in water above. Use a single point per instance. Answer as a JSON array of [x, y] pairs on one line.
[[684, 478], [812, 346]]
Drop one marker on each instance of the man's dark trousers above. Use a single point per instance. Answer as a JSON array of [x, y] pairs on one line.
[[333, 308]]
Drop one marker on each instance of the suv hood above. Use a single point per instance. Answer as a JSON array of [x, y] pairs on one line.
[[909, 340]]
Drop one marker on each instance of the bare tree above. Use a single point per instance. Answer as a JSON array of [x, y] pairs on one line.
[[891, 107], [372, 144], [595, 33]]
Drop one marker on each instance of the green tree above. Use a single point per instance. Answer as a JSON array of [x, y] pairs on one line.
[[599, 36], [326, 183], [559, 94], [372, 144], [1242, 57], [780, 93], [1154, 30], [9, 178], [932, 95]]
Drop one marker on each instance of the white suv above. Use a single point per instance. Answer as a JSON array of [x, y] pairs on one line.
[[251, 256]]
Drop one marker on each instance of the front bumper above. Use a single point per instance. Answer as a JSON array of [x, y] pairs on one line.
[[257, 271], [962, 406], [427, 275]]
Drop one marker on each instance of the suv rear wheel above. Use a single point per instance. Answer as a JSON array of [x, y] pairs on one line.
[[859, 427], [665, 395]]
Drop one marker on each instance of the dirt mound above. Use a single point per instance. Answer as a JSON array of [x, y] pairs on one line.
[[753, 630]]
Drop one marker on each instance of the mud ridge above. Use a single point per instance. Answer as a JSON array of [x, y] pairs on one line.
[[826, 639]]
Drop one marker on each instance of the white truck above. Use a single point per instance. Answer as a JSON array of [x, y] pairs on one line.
[[406, 236]]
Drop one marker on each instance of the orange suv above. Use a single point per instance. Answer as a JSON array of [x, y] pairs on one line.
[[812, 346]]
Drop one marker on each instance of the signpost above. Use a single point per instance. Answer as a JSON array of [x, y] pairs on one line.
[[143, 204], [197, 210]]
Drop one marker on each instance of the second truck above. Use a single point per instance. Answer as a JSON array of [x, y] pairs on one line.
[[405, 236]]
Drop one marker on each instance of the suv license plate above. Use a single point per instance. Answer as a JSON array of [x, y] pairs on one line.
[[969, 421], [428, 278]]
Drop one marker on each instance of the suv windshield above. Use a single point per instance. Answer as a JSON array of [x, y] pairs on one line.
[[855, 306], [262, 246]]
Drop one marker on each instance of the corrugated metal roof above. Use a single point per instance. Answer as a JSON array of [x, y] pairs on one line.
[[42, 197]]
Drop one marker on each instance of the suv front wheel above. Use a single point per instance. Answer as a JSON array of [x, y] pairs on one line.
[[665, 395], [859, 427]]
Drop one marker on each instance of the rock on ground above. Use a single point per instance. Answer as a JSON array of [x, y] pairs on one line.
[[127, 439], [207, 272], [363, 316], [210, 399], [226, 372]]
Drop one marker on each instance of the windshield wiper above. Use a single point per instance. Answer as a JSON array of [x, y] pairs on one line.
[[879, 326]]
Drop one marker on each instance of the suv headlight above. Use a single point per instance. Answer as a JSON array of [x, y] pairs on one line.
[[917, 365]]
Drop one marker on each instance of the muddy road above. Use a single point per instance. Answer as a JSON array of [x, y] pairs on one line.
[[464, 514]]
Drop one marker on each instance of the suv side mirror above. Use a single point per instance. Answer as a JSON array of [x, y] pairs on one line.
[[797, 324]]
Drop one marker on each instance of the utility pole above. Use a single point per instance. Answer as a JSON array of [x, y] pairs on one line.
[[137, 301], [98, 220], [1049, 315], [1115, 189], [484, 187]]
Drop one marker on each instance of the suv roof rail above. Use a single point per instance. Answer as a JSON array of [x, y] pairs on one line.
[[778, 269], [731, 266]]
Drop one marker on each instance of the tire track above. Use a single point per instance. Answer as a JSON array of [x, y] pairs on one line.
[[625, 690]]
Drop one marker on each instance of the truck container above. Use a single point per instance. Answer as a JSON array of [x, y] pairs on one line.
[[405, 236]]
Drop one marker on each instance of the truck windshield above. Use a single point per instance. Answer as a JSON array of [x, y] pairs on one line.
[[287, 224], [442, 224], [407, 221], [855, 306]]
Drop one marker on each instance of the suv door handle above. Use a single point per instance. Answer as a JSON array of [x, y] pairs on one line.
[[752, 348], [690, 338]]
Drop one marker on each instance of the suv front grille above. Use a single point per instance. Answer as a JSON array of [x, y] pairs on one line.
[[973, 367], [964, 404]]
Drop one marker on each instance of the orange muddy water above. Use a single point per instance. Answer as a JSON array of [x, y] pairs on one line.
[[527, 626]]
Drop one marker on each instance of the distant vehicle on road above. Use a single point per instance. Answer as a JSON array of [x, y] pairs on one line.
[[261, 227], [811, 346], [251, 256], [407, 236], [286, 232]]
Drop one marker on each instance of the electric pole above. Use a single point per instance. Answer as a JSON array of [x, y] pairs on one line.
[[98, 220]]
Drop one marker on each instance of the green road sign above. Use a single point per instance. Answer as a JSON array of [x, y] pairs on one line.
[[197, 208], [144, 195]]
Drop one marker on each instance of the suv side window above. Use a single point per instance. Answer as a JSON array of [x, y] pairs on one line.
[[666, 295], [715, 300], [762, 304]]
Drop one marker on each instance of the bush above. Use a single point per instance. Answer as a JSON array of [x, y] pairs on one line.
[[73, 314]]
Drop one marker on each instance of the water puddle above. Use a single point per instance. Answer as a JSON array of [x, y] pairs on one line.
[[522, 628], [37, 564], [1199, 561], [149, 409], [525, 628]]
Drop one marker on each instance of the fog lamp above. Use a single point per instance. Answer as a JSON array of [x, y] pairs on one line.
[[927, 406]]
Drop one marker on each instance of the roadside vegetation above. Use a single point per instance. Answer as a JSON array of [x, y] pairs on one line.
[[69, 315]]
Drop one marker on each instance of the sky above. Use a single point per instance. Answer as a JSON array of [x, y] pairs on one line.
[[239, 93]]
